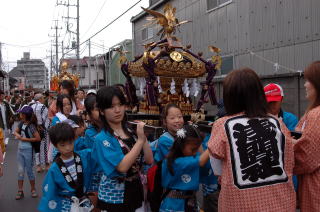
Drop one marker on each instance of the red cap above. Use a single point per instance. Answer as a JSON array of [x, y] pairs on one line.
[[273, 92]]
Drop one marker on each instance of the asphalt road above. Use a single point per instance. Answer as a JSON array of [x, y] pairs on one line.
[[9, 188]]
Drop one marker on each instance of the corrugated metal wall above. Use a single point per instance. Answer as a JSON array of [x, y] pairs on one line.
[[115, 75]]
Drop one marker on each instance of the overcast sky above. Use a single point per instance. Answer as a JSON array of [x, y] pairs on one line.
[[26, 24]]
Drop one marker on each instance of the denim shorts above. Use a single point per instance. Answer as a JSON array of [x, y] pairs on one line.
[[25, 163]]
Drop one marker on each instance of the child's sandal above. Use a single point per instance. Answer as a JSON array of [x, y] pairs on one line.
[[19, 195], [34, 194]]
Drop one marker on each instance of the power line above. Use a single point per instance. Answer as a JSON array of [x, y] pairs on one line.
[[98, 46], [113, 20], [84, 48], [26, 46], [95, 18]]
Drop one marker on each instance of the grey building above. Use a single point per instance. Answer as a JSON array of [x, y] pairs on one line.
[[33, 71], [276, 38], [91, 71], [4, 78]]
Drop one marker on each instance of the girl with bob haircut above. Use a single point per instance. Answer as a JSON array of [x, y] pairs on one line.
[[94, 125], [255, 148], [172, 121], [306, 150], [118, 152], [64, 107], [66, 88]]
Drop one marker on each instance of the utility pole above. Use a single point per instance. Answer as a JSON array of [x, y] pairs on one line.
[[78, 37], [45, 77], [89, 64], [0, 55], [56, 28], [51, 61], [62, 50], [57, 53], [78, 28], [97, 73], [50, 71], [1, 67]]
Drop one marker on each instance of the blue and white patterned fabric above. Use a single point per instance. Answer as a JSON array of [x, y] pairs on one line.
[[95, 181], [66, 205], [165, 142], [108, 154], [111, 190], [56, 189], [185, 178], [207, 178]]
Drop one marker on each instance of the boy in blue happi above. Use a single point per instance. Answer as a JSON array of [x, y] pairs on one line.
[[69, 175], [172, 121], [180, 171], [119, 153]]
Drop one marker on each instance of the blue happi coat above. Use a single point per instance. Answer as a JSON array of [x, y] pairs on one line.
[[207, 178], [90, 134], [108, 154], [55, 188], [80, 144], [185, 178], [164, 145]]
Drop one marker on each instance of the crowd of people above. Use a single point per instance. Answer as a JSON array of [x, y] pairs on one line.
[[258, 157]]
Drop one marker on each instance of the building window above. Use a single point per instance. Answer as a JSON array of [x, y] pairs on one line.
[[227, 64], [147, 33], [211, 4]]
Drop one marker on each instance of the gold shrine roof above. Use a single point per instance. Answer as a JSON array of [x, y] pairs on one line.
[[176, 64]]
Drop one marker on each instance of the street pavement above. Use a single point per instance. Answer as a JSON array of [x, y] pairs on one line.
[[9, 188]]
